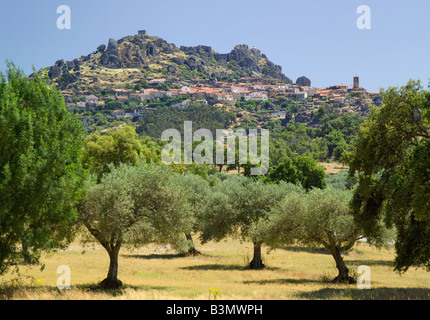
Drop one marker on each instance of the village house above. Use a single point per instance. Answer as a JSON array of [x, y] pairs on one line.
[[157, 81], [239, 94], [263, 86], [312, 92], [172, 92], [223, 96], [118, 114], [144, 96], [282, 86], [338, 99], [155, 93], [122, 98], [122, 92], [238, 89], [92, 99], [135, 113], [133, 96], [301, 95], [258, 96]]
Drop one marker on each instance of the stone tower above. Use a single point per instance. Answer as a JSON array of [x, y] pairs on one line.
[[356, 82], [142, 33]]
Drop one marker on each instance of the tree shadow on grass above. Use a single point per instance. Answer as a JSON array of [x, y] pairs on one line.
[[166, 256], [95, 288], [386, 263], [282, 281], [9, 292], [305, 249], [368, 294], [226, 267]]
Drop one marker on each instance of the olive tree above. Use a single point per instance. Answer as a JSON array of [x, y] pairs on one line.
[[134, 205], [196, 194], [236, 207], [284, 224], [328, 221]]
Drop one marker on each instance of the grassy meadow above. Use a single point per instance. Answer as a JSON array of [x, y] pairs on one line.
[[157, 272]]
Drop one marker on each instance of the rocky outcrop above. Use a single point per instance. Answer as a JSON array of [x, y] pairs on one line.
[[303, 81], [111, 58], [62, 67], [134, 51], [249, 59], [198, 50], [141, 51], [101, 48]]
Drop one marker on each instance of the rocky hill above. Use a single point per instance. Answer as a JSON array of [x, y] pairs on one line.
[[132, 58]]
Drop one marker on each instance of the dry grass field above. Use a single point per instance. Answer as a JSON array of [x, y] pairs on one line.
[[333, 167], [155, 272]]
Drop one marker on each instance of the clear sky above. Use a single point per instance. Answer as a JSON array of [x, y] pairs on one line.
[[315, 38]]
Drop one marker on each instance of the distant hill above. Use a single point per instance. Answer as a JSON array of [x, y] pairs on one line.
[[132, 58]]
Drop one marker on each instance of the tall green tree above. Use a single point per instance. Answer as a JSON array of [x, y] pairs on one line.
[[297, 169], [134, 205], [41, 176], [391, 158], [120, 146]]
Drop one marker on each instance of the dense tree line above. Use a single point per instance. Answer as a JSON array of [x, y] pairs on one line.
[[203, 116]]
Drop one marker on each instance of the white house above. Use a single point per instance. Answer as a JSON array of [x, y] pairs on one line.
[[157, 81], [262, 86], [91, 99], [256, 96], [301, 95], [118, 114], [238, 89]]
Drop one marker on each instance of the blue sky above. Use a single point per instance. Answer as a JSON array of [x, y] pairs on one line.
[[318, 39]]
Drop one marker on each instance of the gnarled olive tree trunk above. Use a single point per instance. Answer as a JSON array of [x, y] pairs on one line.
[[112, 281], [112, 247], [343, 276], [257, 262], [192, 251]]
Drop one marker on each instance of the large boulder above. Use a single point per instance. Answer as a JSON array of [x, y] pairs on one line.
[[101, 48], [59, 68], [303, 81], [192, 62], [240, 52], [171, 69], [110, 58], [178, 60]]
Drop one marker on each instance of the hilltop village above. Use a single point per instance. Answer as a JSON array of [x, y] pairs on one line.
[[133, 102]]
